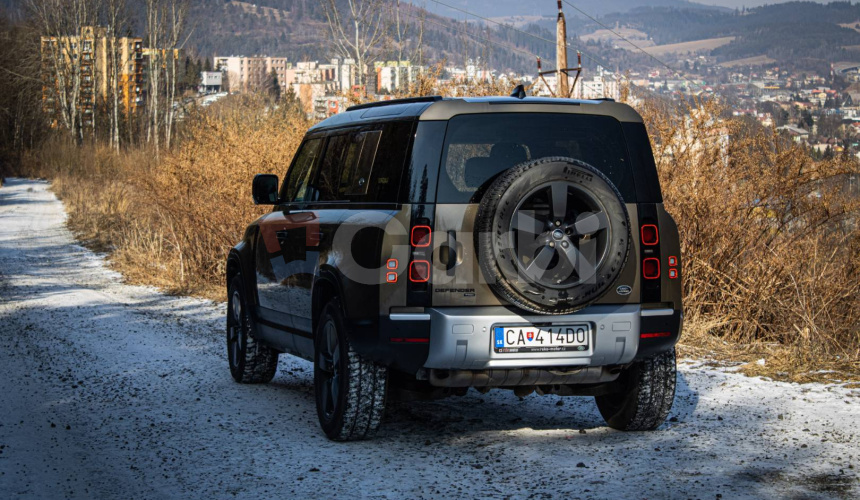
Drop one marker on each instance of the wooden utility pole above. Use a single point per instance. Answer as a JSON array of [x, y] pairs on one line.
[[561, 53]]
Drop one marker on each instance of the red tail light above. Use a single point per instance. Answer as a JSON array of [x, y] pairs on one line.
[[419, 271], [650, 235], [421, 236], [651, 268], [655, 335]]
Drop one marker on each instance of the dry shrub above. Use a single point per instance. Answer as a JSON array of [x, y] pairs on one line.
[[768, 237], [202, 192], [170, 221]]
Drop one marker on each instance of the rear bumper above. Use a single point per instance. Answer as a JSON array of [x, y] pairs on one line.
[[461, 338]]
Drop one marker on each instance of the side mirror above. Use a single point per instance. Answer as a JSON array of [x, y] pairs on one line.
[[265, 189]]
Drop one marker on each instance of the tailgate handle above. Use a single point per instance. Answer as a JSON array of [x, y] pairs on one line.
[[452, 252]]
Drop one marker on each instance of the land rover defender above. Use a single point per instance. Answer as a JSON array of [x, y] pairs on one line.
[[421, 247]]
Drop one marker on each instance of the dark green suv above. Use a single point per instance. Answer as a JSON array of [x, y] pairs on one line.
[[420, 247]]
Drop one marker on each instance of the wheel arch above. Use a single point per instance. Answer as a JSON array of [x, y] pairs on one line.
[[240, 260], [326, 286]]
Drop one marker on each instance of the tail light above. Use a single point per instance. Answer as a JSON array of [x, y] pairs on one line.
[[651, 268], [419, 271], [421, 236], [650, 235]]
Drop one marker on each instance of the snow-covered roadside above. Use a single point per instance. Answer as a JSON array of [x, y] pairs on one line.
[[111, 390]]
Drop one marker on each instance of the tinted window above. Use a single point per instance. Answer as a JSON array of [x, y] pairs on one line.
[[642, 161], [478, 147], [363, 165], [298, 178], [347, 165], [424, 164]]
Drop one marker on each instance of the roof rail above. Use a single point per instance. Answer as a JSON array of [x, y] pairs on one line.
[[410, 100]]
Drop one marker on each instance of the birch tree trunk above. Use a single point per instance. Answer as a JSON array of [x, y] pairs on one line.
[[178, 13], [154, 29]]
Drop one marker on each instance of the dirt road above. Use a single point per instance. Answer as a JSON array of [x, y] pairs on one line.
[[115, 391]]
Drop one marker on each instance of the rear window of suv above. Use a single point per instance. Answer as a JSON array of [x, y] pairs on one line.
[[478, 147]]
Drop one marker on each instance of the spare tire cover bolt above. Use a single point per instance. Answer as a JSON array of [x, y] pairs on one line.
[[558, 223], [564, 244], [552, 244]]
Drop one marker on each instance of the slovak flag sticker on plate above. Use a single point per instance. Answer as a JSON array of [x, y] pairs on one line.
[[500, 337]]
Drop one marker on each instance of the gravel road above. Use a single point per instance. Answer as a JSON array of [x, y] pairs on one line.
[[115, 391]]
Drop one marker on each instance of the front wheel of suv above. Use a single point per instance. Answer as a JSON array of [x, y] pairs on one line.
[[647, 395], [350, 390]]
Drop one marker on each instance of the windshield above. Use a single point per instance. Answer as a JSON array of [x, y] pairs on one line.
[[478, 147]]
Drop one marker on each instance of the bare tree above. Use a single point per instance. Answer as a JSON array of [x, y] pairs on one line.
[[357, 27], [62, 23], [176, 16], [409, 38], [116, 19], [21, 119], [154, 35]]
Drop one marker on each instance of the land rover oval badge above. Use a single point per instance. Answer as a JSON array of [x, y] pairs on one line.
[[623, 290]]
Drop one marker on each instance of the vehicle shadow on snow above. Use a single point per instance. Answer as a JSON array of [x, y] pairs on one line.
[[498, 410]]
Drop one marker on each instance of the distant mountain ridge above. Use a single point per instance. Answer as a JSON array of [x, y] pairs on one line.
[[507, 8]]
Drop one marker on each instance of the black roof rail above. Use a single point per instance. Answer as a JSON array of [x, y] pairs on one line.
[[409, 100]]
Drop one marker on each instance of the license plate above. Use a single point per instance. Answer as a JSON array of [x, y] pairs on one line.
[[520, 339]]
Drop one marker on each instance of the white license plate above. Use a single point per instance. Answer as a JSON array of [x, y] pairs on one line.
[[519, 339]]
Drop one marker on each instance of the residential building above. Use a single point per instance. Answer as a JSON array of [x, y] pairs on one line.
[[92, 50], [210, 82]]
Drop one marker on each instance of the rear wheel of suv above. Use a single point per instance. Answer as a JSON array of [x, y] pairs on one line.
[[350, 391], [552, 235], [647, 395], [250, 361]]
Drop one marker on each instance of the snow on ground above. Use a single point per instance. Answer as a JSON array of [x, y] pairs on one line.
[[116, 391]]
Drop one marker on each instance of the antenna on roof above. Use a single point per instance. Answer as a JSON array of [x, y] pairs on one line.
[[519, 92]]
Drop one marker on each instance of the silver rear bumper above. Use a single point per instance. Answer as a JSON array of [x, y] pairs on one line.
[[461, 338]]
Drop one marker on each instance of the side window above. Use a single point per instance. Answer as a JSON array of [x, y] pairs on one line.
[[298, 178], [347, 166], [329, 177], [355, 177]]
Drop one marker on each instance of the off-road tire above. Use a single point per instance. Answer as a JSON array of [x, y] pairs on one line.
[[255, 362], [497, 207], [647, 395], [360, 402]]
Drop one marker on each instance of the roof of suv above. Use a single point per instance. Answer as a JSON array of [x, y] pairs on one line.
[[439, 108]]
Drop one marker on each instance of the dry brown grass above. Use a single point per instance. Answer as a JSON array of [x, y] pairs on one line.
[[170, 223], [768, 236]]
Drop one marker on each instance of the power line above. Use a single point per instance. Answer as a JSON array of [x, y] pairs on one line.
[[640, 49], [567, 45], [473, 35]]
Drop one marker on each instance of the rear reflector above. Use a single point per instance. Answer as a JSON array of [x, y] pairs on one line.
[[651, 268], [419, 271], [421, 236], [655, 335], [650, 236]]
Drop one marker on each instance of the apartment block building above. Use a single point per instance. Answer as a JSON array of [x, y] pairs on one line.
[[90, 51], [246, 74]]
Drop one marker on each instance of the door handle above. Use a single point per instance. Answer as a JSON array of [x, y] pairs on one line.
[[452, 252], [282, 236]]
